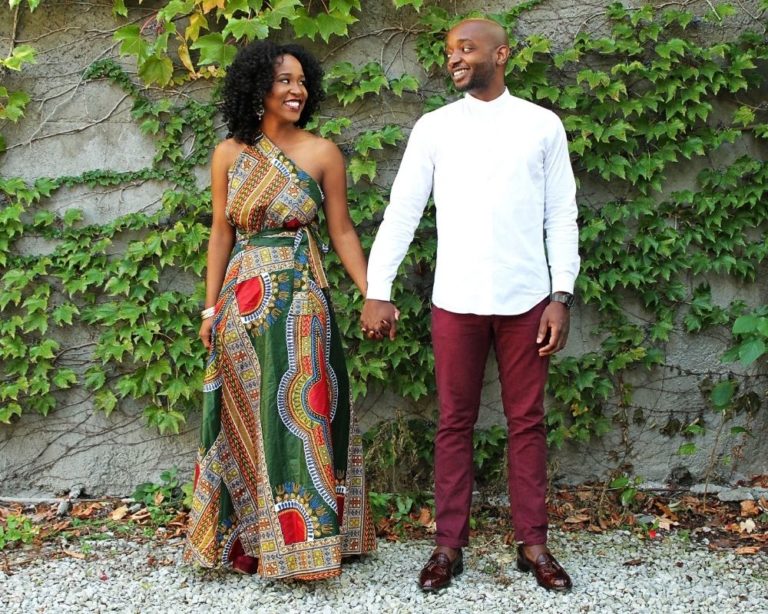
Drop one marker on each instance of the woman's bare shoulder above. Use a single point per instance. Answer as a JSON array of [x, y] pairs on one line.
[[226, 152], [325, 148]]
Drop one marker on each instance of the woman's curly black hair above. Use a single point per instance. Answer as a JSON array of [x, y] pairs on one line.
[[249, 79]]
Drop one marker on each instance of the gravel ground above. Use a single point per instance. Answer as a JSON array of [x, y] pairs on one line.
[[612, 572]]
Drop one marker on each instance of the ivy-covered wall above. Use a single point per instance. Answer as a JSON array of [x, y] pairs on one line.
[[107, 119]]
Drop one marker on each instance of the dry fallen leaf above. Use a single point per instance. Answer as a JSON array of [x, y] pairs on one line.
[[74, 554], [84, 511], [425, 517], [747, 550], [142, 515], [120, 513], [666, 523], [749, 508]]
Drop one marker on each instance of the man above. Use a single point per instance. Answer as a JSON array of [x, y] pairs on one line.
[[507, 259]]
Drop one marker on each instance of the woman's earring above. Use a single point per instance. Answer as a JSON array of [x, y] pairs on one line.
[[259, 112]]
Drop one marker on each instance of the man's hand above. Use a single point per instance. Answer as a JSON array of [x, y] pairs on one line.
[[379, 318], [553, 328]]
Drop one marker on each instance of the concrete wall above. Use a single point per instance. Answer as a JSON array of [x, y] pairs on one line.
[[71, 127]]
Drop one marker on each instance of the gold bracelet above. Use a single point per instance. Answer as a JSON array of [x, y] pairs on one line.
[[208, 313]]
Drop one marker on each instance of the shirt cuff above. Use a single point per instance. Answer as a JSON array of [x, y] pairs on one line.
[[563, 283], [379, 291]]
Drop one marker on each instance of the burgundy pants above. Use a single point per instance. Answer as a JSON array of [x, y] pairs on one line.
[[461, 344]]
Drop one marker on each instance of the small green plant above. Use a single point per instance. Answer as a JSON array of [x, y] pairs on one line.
[[399, 512], [16, 530], [379, 504], [162, 500], [399, 454], [684, 535], [627, 487]]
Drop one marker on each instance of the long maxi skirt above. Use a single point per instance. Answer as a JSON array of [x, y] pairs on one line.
[[280, 471]]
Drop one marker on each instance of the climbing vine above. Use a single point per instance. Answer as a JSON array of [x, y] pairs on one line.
[[644, 93]]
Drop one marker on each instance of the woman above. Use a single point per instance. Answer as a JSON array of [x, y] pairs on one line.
[[279, 482]]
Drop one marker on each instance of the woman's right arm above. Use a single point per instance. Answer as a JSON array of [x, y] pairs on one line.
[[222, 237]]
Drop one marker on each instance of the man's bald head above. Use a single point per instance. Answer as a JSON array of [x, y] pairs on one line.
[[485, 29]]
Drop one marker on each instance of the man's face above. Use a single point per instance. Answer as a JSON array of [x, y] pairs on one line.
[[471, 58]]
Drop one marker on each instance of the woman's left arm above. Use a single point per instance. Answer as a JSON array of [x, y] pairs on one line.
[[340, 228]]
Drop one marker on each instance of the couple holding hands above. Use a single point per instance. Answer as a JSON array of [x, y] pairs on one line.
[[279, 481]]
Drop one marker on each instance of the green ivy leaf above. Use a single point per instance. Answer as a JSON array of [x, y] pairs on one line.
[[8, 410], [156, 69], [334, 126], [416, 4], [281, 10], [95, 378], [64, 378], [23, 54], [328, 25], [46, 350], [404, 83], [13, 109], [119, 8], [722, 394], [105, 400], [745, 324], [214, 50], [131, 42], [63, 313], [359, 168], [687, 449], [744, 115], [305, 26], [250, 28], [751, 350]]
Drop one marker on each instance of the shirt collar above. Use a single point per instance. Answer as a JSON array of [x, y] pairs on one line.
[[490, 106]]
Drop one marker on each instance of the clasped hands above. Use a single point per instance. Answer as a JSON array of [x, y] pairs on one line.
[[379, 319]]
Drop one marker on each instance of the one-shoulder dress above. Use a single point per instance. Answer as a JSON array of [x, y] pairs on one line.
[[279, 473]]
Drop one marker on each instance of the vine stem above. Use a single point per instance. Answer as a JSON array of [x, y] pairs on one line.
[[713, 453], [101, 120], [13, 29]]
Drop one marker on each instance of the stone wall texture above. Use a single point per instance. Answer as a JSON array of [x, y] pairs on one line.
[[71, 127]]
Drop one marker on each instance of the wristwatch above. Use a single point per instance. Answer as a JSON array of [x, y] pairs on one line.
[[566, 298]]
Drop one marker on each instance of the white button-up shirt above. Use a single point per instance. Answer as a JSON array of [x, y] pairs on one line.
[[506, 207]]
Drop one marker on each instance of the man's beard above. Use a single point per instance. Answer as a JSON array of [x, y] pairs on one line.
[[481, 78]]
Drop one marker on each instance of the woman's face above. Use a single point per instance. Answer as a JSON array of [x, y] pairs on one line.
[[288, 95]]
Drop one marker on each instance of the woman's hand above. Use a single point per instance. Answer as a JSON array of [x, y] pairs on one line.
[[205, 333]]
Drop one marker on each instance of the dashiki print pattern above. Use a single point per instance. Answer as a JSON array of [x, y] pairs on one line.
[[279, 474]]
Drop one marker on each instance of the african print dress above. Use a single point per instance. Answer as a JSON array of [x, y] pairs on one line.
[[279, 474]]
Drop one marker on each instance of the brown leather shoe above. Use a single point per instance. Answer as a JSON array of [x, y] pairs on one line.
[[439, 571], [549, 573]]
